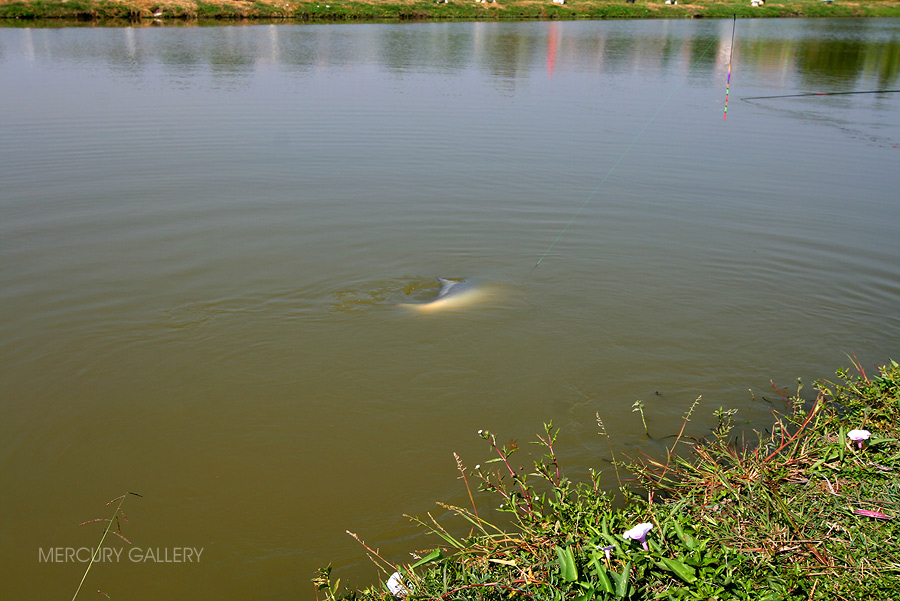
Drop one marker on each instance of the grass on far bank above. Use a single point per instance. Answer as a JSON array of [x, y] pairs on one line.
[[802, 512], [162, 11]]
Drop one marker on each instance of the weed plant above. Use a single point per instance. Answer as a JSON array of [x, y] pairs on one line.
[[800, 511], [115, 519]]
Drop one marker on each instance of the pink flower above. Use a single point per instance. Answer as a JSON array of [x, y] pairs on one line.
[[859, 436], [639, 533], [872, 514], [607, 550]]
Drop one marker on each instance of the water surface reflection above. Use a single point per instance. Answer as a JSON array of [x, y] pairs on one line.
[[205, 233], [825, 51]]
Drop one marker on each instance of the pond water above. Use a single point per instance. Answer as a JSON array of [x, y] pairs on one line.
[[205, 234]]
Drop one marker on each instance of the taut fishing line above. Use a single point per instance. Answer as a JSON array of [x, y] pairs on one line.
[[820, 94], [624, 153]]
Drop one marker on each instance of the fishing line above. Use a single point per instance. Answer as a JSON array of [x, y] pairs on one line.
[[596, 191], [821, 94], [728, 80]]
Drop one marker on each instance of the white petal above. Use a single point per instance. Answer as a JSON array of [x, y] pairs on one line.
[[639, 531], [396, 586]]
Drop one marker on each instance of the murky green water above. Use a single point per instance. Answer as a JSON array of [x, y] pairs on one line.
[[205, 233]]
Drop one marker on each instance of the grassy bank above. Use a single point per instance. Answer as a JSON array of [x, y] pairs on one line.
[[804, 511], [162, 11]]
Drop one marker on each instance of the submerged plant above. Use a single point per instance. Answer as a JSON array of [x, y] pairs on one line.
[[118, 532], [638, 407]]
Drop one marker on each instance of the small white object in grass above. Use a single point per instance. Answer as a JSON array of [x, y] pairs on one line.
[[397, 587]]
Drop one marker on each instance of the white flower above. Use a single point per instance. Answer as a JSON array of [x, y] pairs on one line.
[[478, 467], [480, 432], [639, 533], [396, 586], [858, 436]]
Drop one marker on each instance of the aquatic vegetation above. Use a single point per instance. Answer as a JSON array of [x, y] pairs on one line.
[[793, 514], [118, 513]]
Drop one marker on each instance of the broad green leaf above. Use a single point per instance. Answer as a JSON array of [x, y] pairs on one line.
[[842, 436], [567, 568], [588, 596], [689, 541], [602, 575], [684, 572], [433, 556], [875, 441], [678, 529], [622, 581], [609, 537]]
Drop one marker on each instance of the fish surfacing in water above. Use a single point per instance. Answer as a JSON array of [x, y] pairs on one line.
[[453, 294]]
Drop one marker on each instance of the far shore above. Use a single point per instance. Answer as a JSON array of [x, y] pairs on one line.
[[174, 12]]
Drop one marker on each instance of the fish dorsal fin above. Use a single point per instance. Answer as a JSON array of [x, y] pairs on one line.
[[446, 285]]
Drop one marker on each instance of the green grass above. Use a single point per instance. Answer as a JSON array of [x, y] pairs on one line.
[[800, 512], [466, 10], [208, 10]]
